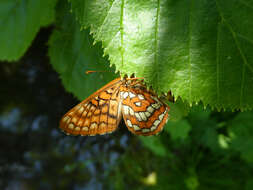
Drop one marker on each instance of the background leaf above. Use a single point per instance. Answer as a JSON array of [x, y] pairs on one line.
[[19, 23], [155, 145], [241, 133], [201, 50], [178, 130], [178, 109], [72, 53]]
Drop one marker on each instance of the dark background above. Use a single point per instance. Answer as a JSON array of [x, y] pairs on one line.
[[34, 153]]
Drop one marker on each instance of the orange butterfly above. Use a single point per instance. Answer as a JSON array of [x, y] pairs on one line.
[[143, 112]]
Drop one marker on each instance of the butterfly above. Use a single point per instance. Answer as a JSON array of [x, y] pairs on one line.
[[143, 112]]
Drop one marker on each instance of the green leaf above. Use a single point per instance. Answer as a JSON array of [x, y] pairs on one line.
[[178, 130], [241, 133], [72, 53], [155, 145], [192, 181], [19, 23], [178, 110], [201, 50], [197, 113], [204, 129], [249, 185]]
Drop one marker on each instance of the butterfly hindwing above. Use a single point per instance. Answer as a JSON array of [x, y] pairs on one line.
[[143, 112]]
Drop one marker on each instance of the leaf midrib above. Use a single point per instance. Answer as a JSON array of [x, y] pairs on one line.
[[189, 51], [122, 32], [218, 62], [156, 39]]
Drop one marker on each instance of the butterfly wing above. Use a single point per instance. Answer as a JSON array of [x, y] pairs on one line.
[[144, 113], [98, 114]]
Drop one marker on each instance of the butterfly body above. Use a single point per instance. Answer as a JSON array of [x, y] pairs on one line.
[[143, 112]]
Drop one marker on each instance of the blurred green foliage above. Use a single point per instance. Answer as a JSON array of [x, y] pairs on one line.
[[206, 150]]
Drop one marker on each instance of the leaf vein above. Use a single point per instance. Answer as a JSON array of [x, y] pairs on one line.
[[246, 4], [189, 52], [111, 40], [156, 38], [242, 86], [217, 63], [106, 16], [245, 38], [122, 32], [234, 35]]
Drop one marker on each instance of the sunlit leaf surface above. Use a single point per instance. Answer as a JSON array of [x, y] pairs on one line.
[[201, 50]]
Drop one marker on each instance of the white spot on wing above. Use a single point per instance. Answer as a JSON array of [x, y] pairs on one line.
[[137, 115], [121, 94], [168, 118], [161, 117], [147, 114], [136, 127], [131, 95], [129, 123], [153, 128], [86, 122], [141, 97], [78, 107], [66, 118], [74, 119], [79, 122], [93, 125], [85, 129], [125, 95], [150, 109], [145, 130], [131, 111], [77, 129], [156, 105], [81, 110], [126, 110], [155, 98], [71, 126], [156, 123], [84, 113], [138, 104], [143, 116], [110, 90]]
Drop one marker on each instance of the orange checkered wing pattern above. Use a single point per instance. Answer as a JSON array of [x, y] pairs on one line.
[[98, 114], [144, 113]]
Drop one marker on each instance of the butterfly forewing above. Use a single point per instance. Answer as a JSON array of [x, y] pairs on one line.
[[143, 112], [98, 114]]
